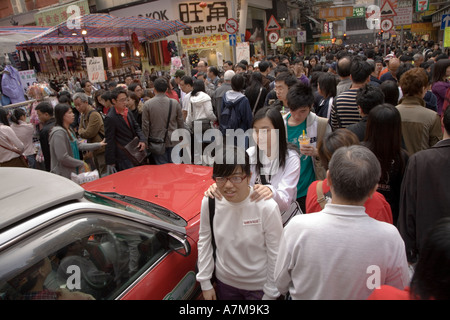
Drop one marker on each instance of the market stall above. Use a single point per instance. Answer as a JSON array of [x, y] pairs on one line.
[[121, 42]]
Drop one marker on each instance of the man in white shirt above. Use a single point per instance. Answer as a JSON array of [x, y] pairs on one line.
[[340, 252], [186, 84]]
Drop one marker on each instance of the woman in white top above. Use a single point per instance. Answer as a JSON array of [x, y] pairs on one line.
[[24, 132], [11, 148], [199, 106], [275, 164]]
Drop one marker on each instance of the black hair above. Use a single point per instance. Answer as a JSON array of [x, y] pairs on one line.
[[288, 78], [264, 65], [118, 90], [369, 97], [132, 87], [238, 82], [17, 113], [360, 70], [187, 80], [300, 95], [45, 107], [391, 93], [4, 116], [161, 85], [83, 82], [277, 121], [60, 110], [327, 83], [199, 86], [214, 70], [232, 158]]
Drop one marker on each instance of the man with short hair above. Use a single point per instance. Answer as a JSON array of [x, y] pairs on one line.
[[220, 92], [44, 111], [86, 85], [264, 68], [340, 253], [91, 128], [202, 67], [155, 116], [424, 193], [120, 129], [186, 86], [177, 77], [227, 65], [345, 111], [343, 71], [283, 82], [391, 74]]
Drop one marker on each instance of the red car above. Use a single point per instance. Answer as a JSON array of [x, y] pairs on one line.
[[130, 235]]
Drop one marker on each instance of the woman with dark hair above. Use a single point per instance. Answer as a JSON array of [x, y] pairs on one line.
[[98, 102], [384, 139], [441, 82], [133, 106], [326, 87], [24, 132], [431, 277], [390, 91], [319, 191], [11, 148], [200, 105], [275, 163], [64, 145], [256, 93]]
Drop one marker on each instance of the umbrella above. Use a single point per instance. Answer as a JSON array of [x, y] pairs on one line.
[[104, 29], [11, 35]]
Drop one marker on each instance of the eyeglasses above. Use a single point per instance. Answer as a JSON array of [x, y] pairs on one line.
[[220, 181]]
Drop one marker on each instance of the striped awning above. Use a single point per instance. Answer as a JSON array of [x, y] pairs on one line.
[[104, 29]]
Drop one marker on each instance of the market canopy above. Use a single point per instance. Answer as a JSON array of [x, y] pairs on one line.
[[11, 35], [104, 29]]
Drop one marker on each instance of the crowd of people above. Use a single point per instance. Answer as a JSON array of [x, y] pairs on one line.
[[361, 149]]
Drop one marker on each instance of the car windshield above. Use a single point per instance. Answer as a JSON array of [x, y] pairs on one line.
[[135, 205]]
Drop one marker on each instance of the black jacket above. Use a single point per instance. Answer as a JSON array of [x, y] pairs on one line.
[[44, 141], [118, 131]]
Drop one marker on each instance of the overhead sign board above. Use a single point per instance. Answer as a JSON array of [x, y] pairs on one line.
[[387, 9]]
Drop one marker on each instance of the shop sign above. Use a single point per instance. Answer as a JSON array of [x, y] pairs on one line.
[[55, 16], [242, 51], [422, 5], [447, 37], [95, 70], [335, 13], [27, 78], [209, 18], [203, 41], [359, 12]]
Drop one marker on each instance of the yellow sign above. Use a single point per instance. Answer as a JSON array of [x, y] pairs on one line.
[[447, 37], [205, 41]]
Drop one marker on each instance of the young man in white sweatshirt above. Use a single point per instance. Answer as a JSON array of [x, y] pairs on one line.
[[246, 234]]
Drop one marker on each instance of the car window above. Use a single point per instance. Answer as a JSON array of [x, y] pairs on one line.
[[89, 256]]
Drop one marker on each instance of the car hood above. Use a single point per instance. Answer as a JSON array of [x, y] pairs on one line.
[[176, 187]]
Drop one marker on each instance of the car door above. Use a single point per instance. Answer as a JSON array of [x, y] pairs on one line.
[[93, 254]]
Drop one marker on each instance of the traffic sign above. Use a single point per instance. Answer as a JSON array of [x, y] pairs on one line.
[[231, 26], [445, 22], [386, 25], [232, 39], [273, 24], [273, 37], [387, 9]]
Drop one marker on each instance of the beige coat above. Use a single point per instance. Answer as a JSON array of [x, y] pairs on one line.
[[421, 127]]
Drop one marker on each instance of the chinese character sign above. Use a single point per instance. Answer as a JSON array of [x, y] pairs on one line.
[[209, 18], [95, 70]]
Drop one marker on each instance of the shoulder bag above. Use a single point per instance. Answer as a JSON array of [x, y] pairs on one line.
[[157, 146], [21, 156]]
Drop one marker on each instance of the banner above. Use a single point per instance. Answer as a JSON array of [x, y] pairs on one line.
[[95, 70]]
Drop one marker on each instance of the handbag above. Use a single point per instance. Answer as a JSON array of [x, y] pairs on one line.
[[85, 177], [22, 158], [205, 122], [157, 146], [133, 151]]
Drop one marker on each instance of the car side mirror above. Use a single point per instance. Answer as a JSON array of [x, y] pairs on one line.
[[179, 244]]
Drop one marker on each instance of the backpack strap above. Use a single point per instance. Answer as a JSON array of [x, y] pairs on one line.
[[212, 209]]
